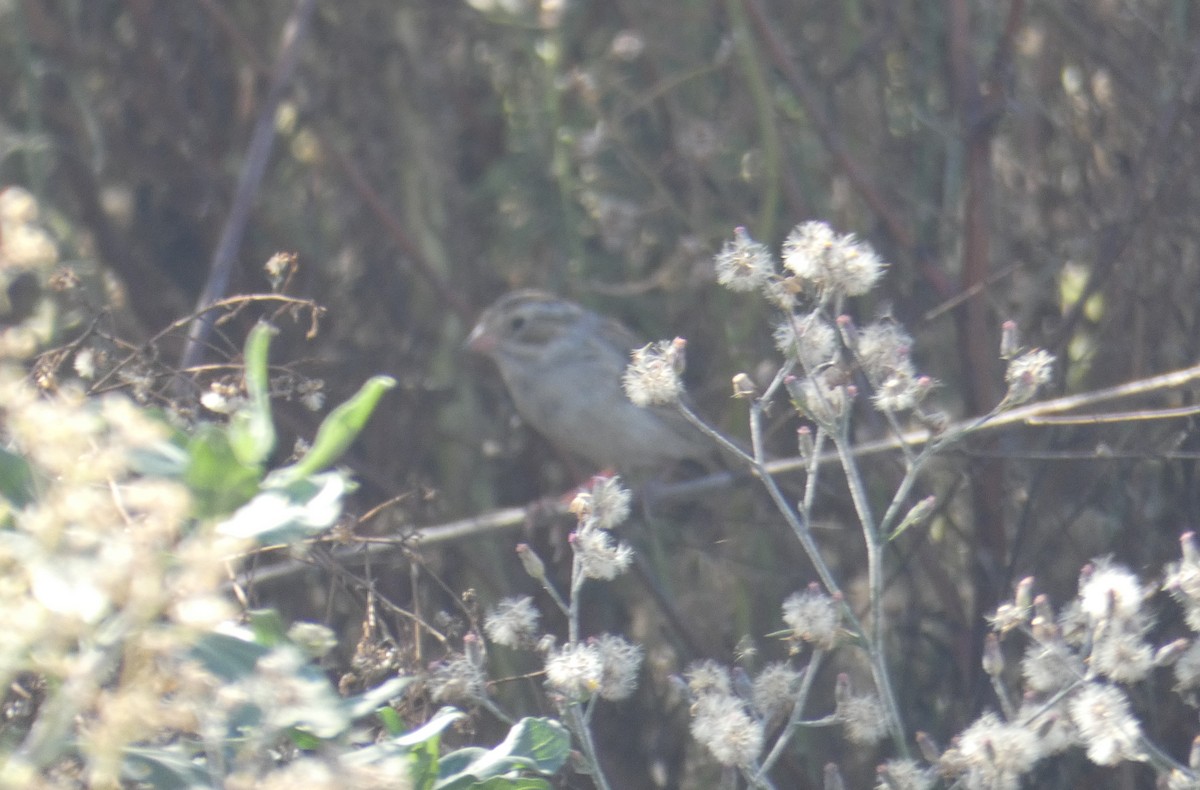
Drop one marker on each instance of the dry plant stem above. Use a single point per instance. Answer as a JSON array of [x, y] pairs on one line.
[[556, 597], [508, 518], [573, 610], [580, 719], [414, 591], [1002, 694], [760, 93], [258, 154], [391, 224], [781, 742], [756, 777], [1020, 415], [492, 708], [586, 745], [1028, 414], [381, 601], [714, 435], [1156, 756], [799, 524], [826, 128], [233, 303], [1161, 760], [812, 474], [914, 464], [876, 545]]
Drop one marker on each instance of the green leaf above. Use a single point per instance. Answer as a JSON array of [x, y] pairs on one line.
[[228, 657], [220, 482], [430, 729], [533, 745], [423, 763], [313, 706], [389, 717], [507, 783], [268, 627], [304, 740], [16, 479], [251, 432], [337, 431], [537, 745], [165, 768], [421, 746], [165, 459], [372, 700], [297, 510]]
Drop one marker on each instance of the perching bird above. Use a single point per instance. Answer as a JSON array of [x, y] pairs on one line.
[[563, 366]]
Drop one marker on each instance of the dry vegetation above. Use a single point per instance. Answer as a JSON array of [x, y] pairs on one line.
[[1028, 162]]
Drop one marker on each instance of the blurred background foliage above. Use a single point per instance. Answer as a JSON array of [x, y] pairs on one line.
[[1035, 162]]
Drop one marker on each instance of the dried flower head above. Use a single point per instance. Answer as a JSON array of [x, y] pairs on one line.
[[1109, 591], [1106, 724], [531, 562], [311, 393], [1121, 654], [707, 677], [599, 556], [743, 386], [806, 249], [883, 348], [1051, 667], [744, 264], [1027, 374], [823, 397], [621, 661], [905, 775], [457, 679], [722, 725], [863, 718], [1187, 669], [836, 265], [993, 753], [1010, 340], [513, 622], [774, 690], [605, 506], [813, 617], [576, 671], [808, 339], [1182, 579], [900, 392], [653, 374], [279, 267], [1007, 617], [85, 363]]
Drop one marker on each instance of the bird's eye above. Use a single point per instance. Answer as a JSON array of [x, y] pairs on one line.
[[516, 322]]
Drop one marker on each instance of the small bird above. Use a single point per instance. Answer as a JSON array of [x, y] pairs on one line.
[[563, 365]]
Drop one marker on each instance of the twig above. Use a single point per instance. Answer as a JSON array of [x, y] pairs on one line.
[[262, 140], [768, 33], [509, 518], [234, 302], [391, 224]]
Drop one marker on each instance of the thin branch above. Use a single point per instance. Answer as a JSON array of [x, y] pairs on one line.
[[258, 153], [509, 518], [831, 138]]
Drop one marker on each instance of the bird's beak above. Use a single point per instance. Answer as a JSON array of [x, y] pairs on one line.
[[479, 341]]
